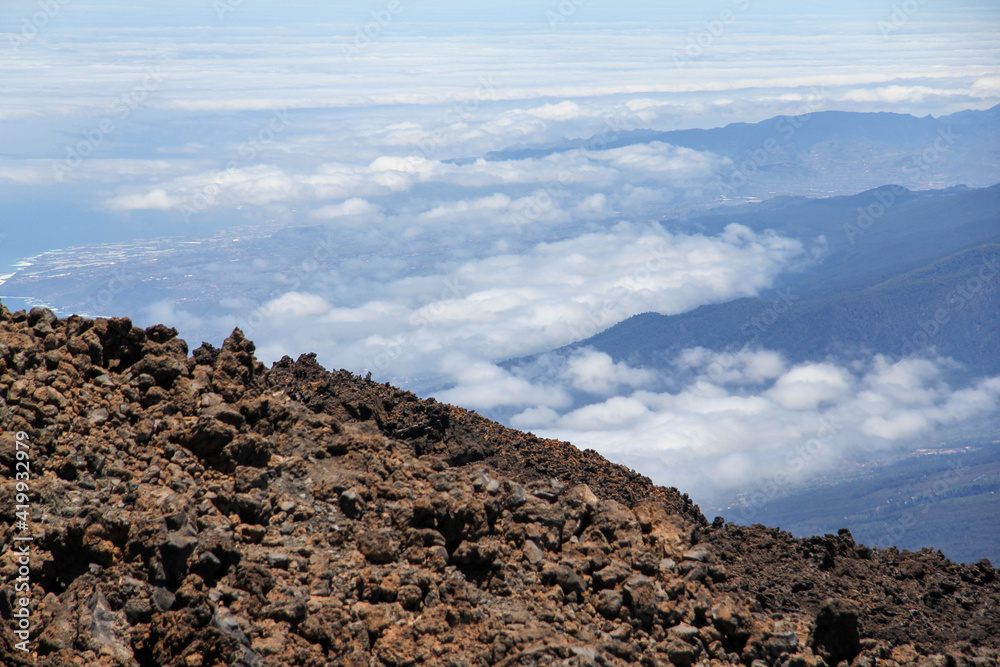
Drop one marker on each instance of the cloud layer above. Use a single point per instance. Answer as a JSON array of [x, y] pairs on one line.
[[728, 425], [505, 305]]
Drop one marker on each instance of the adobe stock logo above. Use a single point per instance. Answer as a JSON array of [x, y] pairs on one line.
[[365, 34], [117, 113], [563, 12], [901, 15], [47, 10], [884, 199], [699, 42], [982, 283]]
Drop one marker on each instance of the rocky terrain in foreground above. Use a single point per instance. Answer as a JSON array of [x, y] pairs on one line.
[[199, 510]]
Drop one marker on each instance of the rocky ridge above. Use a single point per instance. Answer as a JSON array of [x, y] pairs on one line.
[[203, 510]]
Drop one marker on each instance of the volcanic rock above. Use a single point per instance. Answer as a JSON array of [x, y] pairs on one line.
[[204, 510]]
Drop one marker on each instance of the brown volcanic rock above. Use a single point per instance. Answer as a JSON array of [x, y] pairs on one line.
[[205, 510], [835, 634], [901, 596]]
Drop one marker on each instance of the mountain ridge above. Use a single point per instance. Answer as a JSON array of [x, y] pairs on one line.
[[919, 255], [914, 308], [732, 139]]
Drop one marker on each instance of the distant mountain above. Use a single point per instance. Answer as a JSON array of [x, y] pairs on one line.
[[827, 152], [794, 133], [924, 273], [871, 236], [901, 272], [937, 304]]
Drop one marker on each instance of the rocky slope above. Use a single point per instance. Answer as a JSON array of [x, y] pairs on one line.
[[204, 510]]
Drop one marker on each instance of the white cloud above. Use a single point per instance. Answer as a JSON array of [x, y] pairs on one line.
[[295, 304], [807, 386], [486, 386], [898, 424], [597, 373], [594, 205], [25, 174], [897, 94], [742, 367], [732, 428], [669, 171], [566, 110], [460, 210], [987, 86], [55, 172], [157, 200], [166, 311], [355, 206], [548, 294]]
